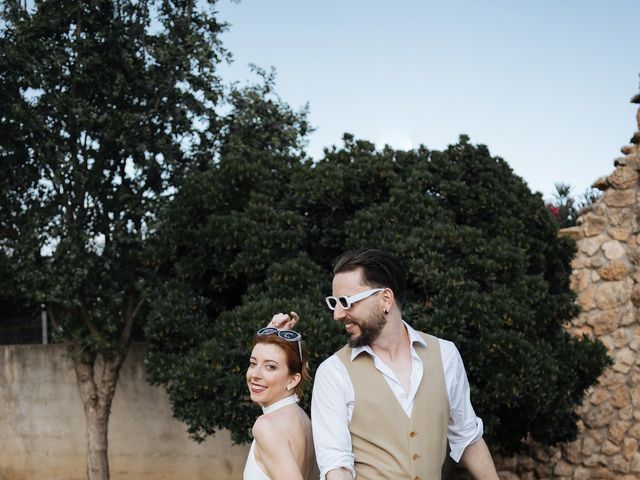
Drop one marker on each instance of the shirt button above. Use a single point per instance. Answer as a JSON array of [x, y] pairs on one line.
[[413, 434], [417, 478], [415, 456]]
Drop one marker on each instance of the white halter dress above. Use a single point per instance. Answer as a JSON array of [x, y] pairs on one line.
[[252, 470]]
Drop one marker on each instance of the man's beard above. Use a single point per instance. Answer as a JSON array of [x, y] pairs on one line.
[[370, 330]]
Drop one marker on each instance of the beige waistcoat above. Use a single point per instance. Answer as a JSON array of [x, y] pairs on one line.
[[386, 443]]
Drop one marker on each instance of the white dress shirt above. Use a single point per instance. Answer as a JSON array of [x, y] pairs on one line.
[[333, 400]]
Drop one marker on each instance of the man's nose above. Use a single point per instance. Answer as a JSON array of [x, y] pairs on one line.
[[339, 313]]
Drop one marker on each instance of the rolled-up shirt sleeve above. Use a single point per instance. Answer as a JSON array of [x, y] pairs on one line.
[[464, 426], [330, 415]]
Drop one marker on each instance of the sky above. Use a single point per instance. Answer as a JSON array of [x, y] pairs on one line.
[[545, 84]]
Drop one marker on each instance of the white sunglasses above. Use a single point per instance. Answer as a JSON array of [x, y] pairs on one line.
[[346, 302], [288, 335]]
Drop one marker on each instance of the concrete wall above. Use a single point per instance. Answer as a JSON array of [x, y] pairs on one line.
[[42, 426]]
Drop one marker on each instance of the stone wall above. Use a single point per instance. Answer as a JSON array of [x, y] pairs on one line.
[[42, 426], [606, 278]]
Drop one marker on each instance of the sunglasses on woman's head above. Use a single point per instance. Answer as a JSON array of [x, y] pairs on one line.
[[346, 302], [288, 335]]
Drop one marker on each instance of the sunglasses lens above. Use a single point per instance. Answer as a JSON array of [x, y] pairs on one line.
[[289, 335], [267, 331], [344, 303], [332, 302]]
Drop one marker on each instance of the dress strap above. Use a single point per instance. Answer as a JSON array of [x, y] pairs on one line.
[[290, 400]]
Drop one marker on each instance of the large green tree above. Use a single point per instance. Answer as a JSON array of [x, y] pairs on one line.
[[100, 102], [231, 252], [259, 229]]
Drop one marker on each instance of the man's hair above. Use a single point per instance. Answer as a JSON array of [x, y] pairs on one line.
[[379, 269]]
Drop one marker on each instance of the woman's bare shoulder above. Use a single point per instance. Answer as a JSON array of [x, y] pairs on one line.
[[268, 425]]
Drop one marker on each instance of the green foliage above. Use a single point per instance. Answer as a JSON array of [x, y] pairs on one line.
[[97, 110], [258, 230]]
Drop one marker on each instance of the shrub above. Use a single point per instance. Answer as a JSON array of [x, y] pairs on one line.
[[259, 231]]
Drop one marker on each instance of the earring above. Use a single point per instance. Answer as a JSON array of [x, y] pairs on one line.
[[288, 387], [386, 312]]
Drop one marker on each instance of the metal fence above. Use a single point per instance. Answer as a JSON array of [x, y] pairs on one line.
[[26, 328]]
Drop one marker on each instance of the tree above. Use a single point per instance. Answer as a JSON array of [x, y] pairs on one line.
[[230, 248], [100, 104], [487, 270]]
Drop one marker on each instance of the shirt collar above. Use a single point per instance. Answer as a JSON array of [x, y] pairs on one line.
[[414, 337]]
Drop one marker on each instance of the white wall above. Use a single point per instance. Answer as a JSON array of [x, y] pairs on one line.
[[42, 426]]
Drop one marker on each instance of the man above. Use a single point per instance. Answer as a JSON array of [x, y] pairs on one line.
[[384, 406]]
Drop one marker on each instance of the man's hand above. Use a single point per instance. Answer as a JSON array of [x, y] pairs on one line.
[[282, 321]]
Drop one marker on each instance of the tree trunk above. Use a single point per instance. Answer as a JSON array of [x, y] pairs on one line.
[[96, 400], [97, 446]]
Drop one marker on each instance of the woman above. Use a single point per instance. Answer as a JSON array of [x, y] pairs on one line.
[[283, 445]]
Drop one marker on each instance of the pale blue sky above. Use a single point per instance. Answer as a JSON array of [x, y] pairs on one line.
[[544, 84]]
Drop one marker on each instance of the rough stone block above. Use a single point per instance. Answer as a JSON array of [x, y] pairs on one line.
[[635, 295], [593, 224], [599, 417], [591, 245], [526, 462], [626, 413], [609, 448], [603, 321], [620, 396], [602, 472], [629, 448], [580, 279], [615, 270], [572, 452], [624, 359], [599, 396], [617, 431], [582, 473], [563, 468], [586, 299], [620, 338], [575, 232], [612, 294], [601, 184], [613, 249], [619, 198], [598, 261], [595, 460], [620, 217], [620, 464], [623, 178], [619, 233], [627, 317]]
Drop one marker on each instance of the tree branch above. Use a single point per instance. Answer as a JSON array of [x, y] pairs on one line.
[[86, 318]]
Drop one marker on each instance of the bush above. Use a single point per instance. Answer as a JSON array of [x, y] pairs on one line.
[[259, 230]]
